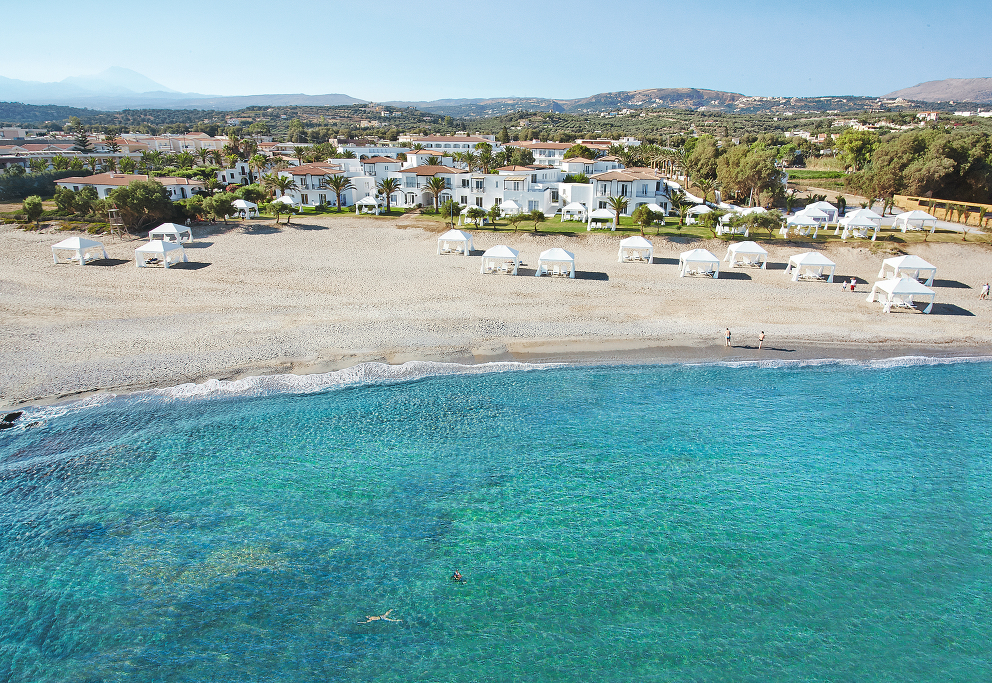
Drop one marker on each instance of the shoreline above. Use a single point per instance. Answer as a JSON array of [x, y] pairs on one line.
[[583, 353]]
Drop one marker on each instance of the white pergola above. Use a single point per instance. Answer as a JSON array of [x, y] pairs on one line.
[[556, 262], [858, 213], [803, 222], [635, 249], [858, 227], [656, 208], [573, 212], [915, 220], [810, 266], [170, 232], [509, 207], [82, 250], [601, 215], [285, 199], [826, 207], [698, 210], [454, 242], [367, 205], [245, 207], [699, 262], [746, 254], [908, 266], [159, 252], [901, 293], [500, 259]]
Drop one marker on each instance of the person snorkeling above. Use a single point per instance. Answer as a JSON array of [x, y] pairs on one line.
[[369, 618], [456, 576]]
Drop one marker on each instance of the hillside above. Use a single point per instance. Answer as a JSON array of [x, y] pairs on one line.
[[949, 89]]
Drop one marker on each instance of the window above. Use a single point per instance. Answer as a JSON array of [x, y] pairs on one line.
[[644, 189], [464, 200], [322, 199], [602, 205], [532, 205], [480, 185], [497, 201], [182, 191], [411, 181], [623, 189], [533, 178], [478, 201], [554, 195], [304, 199], [464, 182]]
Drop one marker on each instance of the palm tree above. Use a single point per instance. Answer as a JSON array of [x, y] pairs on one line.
[[416, 147], [128, 165], [204, 154], [435, 186], [619, 205], [337, 184], [38, 165], [110, 164], [93, 161], [471, 160], [387, 186], [282, 184], [677, 159], [184, 160], [680, 204], [705, 185], [301, 153], [433, 161], [218, 157], [257, 162], [60, 162]]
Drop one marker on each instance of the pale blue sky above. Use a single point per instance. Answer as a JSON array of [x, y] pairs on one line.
[[392, 50]]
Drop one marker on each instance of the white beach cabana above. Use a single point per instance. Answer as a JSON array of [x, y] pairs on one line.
[[858, 226], [698, 210], [859, 214], [81, 249], [902, 293], [500, 259], [601, 215], [556, 262], [454, 242], [810, 266], [656, 208], [908, 266], [699, 262], [573, 212], [803, 222], [245, 207], [826, 207], [159, 252], [170, 232], [509, 207], [915, 220], [746, 254], [367, 205], [285, 199], [635, 249]]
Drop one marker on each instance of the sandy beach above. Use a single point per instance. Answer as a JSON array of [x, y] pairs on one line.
[[331, 292]]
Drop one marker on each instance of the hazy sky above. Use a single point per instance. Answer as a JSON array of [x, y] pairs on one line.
[[393, 50]]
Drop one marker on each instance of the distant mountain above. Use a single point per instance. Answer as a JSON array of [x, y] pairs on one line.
[[119, 88], [949, 89]]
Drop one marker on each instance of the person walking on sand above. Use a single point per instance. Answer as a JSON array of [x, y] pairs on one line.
[[728, 336], [985, 291], [761, 339]]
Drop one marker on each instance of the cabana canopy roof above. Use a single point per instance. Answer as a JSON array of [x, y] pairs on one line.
[[747, 248], [654, 207], [908, 262], [158, 247], [557, 254], [501, 251], [574, 206], [698, 209], [811, 258], [903, 285], [77, 243], [367, 201], [509, 204], [603, 214], [636, 242], [699, 256], [243, 204], [916, 215]]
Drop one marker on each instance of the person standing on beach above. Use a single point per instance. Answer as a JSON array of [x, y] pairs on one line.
[[761, 339], [985, 291], [728, 336]]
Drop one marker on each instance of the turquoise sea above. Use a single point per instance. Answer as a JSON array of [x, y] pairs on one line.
[[805, 522]]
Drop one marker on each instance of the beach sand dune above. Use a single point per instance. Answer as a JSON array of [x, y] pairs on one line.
[[327, 293]]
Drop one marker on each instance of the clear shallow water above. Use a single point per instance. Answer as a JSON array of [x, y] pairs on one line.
[[650, 523]]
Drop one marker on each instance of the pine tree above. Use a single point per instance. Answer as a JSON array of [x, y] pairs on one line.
[[504, 136], [82, 142]]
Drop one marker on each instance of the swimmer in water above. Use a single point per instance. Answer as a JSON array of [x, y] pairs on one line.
[[457, 576], [369, 618]]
